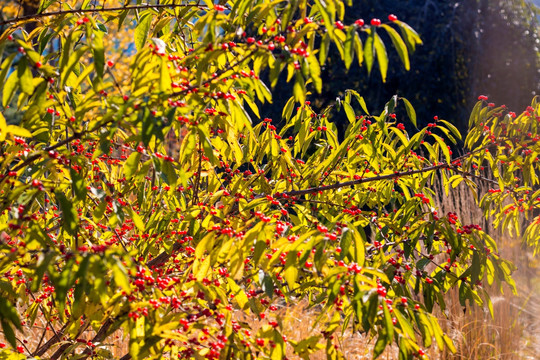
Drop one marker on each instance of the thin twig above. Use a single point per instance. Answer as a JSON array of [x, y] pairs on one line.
[[36, 17], [364, 180]]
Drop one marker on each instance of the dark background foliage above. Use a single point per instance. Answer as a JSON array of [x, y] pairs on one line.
[[471, 47]]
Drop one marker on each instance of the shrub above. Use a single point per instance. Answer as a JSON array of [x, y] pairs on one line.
[[140, 193]]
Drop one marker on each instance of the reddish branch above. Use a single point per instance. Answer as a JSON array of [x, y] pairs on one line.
[[36, 17]]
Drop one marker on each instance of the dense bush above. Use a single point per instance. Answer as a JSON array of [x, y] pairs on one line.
[[138, 196]]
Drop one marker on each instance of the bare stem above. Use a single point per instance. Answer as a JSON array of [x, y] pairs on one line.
[[36, 17]]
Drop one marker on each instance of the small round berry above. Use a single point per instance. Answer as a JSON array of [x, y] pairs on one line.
[[392, 17], [375, 22]]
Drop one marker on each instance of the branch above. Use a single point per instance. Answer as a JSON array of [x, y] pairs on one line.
[[53, 340], [36, 17], [75, 136], [364, 180]]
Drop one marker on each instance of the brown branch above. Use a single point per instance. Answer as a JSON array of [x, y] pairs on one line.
[[395, 175], [60, 351], [53, 340], [198, 177], [364, 180], [36, 17], [163, 256]]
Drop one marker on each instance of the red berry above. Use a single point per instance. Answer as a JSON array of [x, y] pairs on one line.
[[375, 22], [339, 25], [38, 64], [404, 300], [110, 63], [392, 17], [359, 22]]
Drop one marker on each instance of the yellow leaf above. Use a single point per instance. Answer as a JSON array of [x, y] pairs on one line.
[[3, 127], [18, 131]]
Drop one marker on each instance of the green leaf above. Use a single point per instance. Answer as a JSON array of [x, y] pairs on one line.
[[452, 128], [165, 76], [239, 294], [360, 100], [291, 269], [323, 50], [357, 240], [26, 81], [98, 52], [72, 62], [443, 146], [141, 31], [358, 48], [121, 277], [43, 5], [18, 131], [349, 112], [9, 334], [9, 88], [9, 315], [3, 127], [288, 109], [369, 51], [299, 89], [348, 50], [69, 213], [382, 56], [78, 185], [399, 45], [315, 73], [411, 37], [137, 220], [6, 67], [410, 111], [380, 345], [132, 163]]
